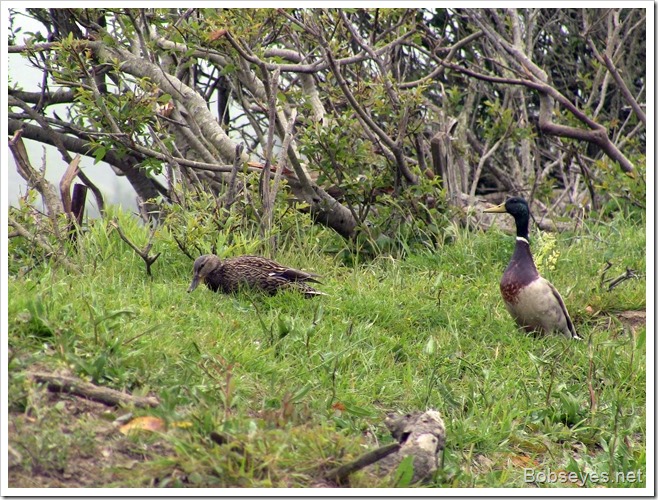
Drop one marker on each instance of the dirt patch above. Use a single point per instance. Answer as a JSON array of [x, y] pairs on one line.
[[633, 319], [65, 441]]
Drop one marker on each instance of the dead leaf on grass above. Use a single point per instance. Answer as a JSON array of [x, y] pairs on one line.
[[153, 424], [523, 461]]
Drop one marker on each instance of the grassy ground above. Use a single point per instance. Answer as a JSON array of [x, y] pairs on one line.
[[301, 386]]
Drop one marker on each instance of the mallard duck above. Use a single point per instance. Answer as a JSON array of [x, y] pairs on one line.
[[534, 303], [250, 271]]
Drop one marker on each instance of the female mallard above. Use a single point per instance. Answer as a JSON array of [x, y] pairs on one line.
[[534, 303], [249, 271]]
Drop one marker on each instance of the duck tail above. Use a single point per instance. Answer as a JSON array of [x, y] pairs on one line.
[[312, 292]]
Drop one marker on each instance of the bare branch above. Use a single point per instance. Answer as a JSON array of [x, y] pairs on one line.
[[30, 48], [548, 94], [40, 241], [34, 179], [438, 72], [383, 73], [487, 154], [232, 186], [283, 157], [61, 96], [624, 89], [105, 395], [142, 252], [65, 184], [57, 141]]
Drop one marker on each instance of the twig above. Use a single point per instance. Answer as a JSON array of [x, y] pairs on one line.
[[623, 88], [105, 395], [183, 248], [614, 282], [485, 156], [283, 156], [608, 265], [339, 474], [143, 253], [629, 274], [389, 147], [237, 161]]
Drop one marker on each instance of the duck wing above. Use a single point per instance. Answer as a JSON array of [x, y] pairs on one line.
[[291, 274], [272, 268], [558, 297]]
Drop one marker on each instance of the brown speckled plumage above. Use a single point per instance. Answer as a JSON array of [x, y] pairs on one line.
[[250, 271]]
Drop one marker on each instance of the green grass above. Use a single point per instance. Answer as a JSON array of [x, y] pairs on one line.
[[304, 385]]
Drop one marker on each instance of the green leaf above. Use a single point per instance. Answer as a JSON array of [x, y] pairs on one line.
[[317, 316], [405, 472], [358, 411], [227, 70], [99, 154], [114, 314], [299, 395], [284, 327]]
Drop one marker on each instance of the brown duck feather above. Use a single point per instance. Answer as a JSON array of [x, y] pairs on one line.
[[250, 271]]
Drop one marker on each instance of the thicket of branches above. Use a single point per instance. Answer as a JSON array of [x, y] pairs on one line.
[[367, 118]]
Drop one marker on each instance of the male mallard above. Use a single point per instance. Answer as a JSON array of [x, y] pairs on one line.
[[249, 271], [534, 303]]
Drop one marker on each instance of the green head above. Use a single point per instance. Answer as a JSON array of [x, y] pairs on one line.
[[518, 208]]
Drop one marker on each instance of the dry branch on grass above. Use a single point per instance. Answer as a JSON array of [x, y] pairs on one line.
[[142, 252], [73, 385]]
